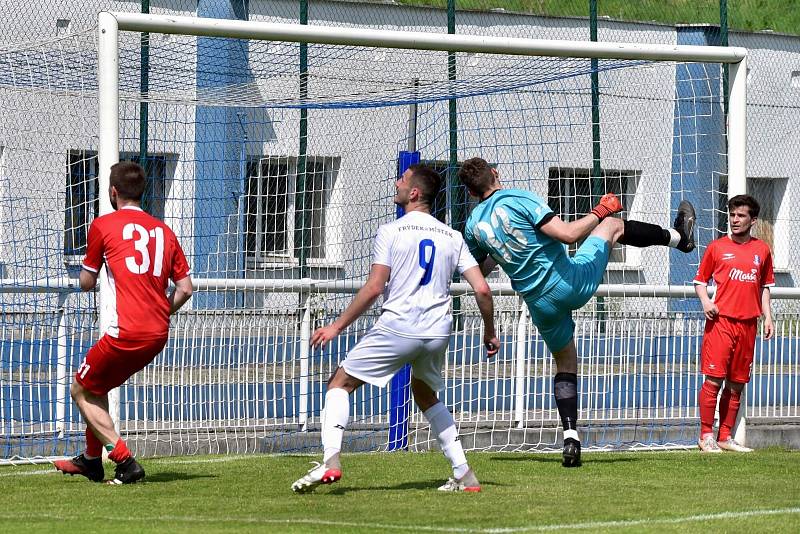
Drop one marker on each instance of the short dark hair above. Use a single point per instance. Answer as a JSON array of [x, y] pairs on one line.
[[128, 178], [476, 174], [427, 180], [745, 200]]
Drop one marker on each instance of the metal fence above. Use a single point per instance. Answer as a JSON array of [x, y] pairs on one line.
[[246, 381]]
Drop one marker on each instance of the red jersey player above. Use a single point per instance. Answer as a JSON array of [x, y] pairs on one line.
[[141, 255], [741, 267]]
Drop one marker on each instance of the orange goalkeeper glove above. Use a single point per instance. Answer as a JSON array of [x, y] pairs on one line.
[[609, 205]]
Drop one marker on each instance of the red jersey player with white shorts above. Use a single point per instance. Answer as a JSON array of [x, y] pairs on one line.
[[741, 267], [141, 255]]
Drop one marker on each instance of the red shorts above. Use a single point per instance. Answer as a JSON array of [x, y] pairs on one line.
[[111, 361], [728, 348]]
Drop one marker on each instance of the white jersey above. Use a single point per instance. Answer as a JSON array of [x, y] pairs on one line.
[[422, 254]]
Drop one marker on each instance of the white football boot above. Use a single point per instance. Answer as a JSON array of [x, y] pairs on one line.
[[319, 474]]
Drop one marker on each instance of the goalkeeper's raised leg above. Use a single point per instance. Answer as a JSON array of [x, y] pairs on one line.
[[519, 231]]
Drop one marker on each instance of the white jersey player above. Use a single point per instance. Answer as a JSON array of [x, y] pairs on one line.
[[414, 259]]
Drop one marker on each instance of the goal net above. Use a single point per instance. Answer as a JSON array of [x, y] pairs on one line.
[[275, 163]]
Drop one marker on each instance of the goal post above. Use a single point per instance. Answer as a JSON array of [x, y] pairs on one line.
[[110, 24]]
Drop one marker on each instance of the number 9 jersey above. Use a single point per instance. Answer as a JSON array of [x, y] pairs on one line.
[[422, 254], [141, 254]]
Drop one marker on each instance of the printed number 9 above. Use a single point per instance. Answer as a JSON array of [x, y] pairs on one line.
[[425, 262]]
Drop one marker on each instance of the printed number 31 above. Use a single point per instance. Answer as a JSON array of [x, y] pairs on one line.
[[140, 244], [426, 262]]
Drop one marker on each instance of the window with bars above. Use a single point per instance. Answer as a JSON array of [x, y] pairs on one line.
[[82, 201], [569, 195], [284, 216]]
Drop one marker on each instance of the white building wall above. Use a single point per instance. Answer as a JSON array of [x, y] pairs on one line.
[[526, 133]]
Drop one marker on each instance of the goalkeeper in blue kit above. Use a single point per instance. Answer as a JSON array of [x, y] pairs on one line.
[[517, 230]]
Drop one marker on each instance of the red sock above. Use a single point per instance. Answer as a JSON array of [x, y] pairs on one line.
[[707, 401], [120, 452], [728, 408], [94, 447]]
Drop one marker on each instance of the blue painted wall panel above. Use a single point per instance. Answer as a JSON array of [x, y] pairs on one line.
[[698, 150]]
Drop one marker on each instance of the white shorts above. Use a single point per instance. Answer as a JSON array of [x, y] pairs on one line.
[[378, 356]]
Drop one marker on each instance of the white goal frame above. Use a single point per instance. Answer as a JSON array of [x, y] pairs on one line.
[[110, 24]]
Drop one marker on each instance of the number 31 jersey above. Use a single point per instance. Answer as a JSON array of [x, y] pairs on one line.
[[141, 254], [422, 254]]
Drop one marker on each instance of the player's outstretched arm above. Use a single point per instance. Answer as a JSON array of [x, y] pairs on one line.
[[483, 296], [573, 231], [180, 295], [569, 232], [366, 296]]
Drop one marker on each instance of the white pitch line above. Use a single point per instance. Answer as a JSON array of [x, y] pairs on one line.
[[426, 528], [649, 521], [200, 460]]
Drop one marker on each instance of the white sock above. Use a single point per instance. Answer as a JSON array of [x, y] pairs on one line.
[[334, 420], [571, 433], [444, 428], [674, 238]]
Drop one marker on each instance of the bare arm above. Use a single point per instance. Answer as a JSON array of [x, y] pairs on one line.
[[181, 294], [366, 296], [483, 296], [570, 232], [709, 308], [87, 280], [766, 308]]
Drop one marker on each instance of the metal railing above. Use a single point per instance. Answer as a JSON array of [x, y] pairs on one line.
[[253, 372]]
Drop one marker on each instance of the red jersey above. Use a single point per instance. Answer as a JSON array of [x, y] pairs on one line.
[[739, 271], [141, 255]]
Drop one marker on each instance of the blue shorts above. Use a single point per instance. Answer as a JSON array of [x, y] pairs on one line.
[[551, 311]]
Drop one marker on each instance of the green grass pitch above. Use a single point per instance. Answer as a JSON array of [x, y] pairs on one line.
[[396, 492]]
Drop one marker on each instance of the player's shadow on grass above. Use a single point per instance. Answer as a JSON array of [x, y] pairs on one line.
[[425, 485], [556, 459], [173, 476]]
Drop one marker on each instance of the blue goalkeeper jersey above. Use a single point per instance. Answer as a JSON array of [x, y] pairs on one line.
[[505, 226]]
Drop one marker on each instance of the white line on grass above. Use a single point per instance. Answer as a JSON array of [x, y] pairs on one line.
[[649, 521], [202, 460], [426, 528]]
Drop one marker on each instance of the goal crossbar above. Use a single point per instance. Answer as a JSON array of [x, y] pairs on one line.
[[299, 33]]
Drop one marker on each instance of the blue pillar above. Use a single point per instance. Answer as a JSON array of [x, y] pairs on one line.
[[218, 152], [400, 387], [698, 150]]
